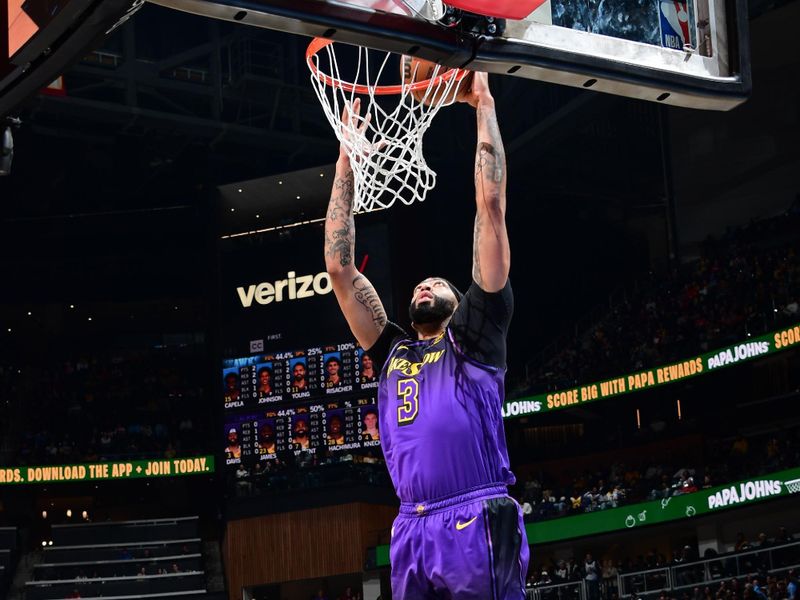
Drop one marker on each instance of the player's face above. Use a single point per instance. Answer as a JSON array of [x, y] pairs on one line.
[[432, 301], [336, 425], [371, 421], [264, 378], [299, 372], [267, 433], [233, 437], [232, 382], [366, 361], [333, 367], [301, 429]]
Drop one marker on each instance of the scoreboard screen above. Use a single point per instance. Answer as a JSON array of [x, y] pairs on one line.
[[315, 399], [292, 382]]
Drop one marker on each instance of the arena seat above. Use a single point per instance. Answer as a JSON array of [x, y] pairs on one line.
[[126, 532], [8, 550], [136, 586], [156, 558], [109, 552], [120, 567]]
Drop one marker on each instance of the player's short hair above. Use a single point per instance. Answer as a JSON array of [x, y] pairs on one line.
[[265, 369], [333, 359], [231, 374]]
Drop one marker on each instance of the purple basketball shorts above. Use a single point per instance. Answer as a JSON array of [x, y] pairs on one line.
[[467, 547]]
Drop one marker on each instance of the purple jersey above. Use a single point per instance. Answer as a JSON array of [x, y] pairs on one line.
[[440, 411]]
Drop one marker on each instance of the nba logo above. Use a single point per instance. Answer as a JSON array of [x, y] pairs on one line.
[[674, 17]]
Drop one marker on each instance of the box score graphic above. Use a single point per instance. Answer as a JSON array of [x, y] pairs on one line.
[[334, 425], [674, 19]]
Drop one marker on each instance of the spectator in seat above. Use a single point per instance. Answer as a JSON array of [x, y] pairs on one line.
[[592, 577], [741, 543], [243, 484]]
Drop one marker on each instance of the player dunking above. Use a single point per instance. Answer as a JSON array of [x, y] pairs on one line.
[[458, 535]]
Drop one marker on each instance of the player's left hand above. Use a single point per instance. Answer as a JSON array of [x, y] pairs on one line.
[[478, 91], [355, 123]]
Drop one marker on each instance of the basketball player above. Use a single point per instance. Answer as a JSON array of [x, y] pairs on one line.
[[332, 368], [458, 535], [299, 383], [264, 381], [368, 374]]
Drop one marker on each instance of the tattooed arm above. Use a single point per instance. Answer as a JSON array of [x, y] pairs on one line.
[[491, 255], [357, 297]]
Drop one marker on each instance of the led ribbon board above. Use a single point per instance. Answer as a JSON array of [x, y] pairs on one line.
[[746, 351], [107, 471]]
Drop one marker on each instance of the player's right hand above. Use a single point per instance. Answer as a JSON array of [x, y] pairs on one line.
[[479, 91]]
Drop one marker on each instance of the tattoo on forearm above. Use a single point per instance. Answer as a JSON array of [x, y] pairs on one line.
[[491, 158], [476, 256], [339, 225], [490, 170], [367, 296]]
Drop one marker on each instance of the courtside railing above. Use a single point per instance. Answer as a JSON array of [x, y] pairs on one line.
[[772, 559], [572, 590]]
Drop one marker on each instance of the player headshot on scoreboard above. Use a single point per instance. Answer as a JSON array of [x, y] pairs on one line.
[[231, 383], [299, 375], [333, 370], [266, 437], [264, 380], [368, 374], [233, 448], [370, 431], [300, 432], [335, 428]]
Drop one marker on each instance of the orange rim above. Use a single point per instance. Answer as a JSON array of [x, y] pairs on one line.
[[318, 44]]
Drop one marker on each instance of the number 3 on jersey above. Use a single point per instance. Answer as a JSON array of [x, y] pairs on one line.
[[408, 395]]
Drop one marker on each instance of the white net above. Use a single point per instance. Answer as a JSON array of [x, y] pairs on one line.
[[383, 142], [793, 486]]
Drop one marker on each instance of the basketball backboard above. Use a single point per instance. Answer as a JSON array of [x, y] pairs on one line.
[[39, 40], [691, 53]]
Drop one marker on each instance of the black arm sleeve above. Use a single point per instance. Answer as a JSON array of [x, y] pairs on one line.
[[480, 324], [379, 351]]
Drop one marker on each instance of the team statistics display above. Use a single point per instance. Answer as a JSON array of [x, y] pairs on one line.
[[318, 399]]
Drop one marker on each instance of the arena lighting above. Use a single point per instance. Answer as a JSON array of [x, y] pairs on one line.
[[680, 416], [44, 543], [44, 514], [69, 513], [50, 543], [7, 152], [638, 419], [85, 515], [276, 228], [7, 144]]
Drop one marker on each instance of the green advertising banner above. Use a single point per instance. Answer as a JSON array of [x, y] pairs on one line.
[[685, 506], [101, 471], [702, 364], [703, 502]]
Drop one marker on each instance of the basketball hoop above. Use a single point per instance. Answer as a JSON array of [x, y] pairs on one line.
[[384, 142]]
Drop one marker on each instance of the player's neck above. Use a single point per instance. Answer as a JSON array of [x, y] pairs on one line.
[[428, 331]]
